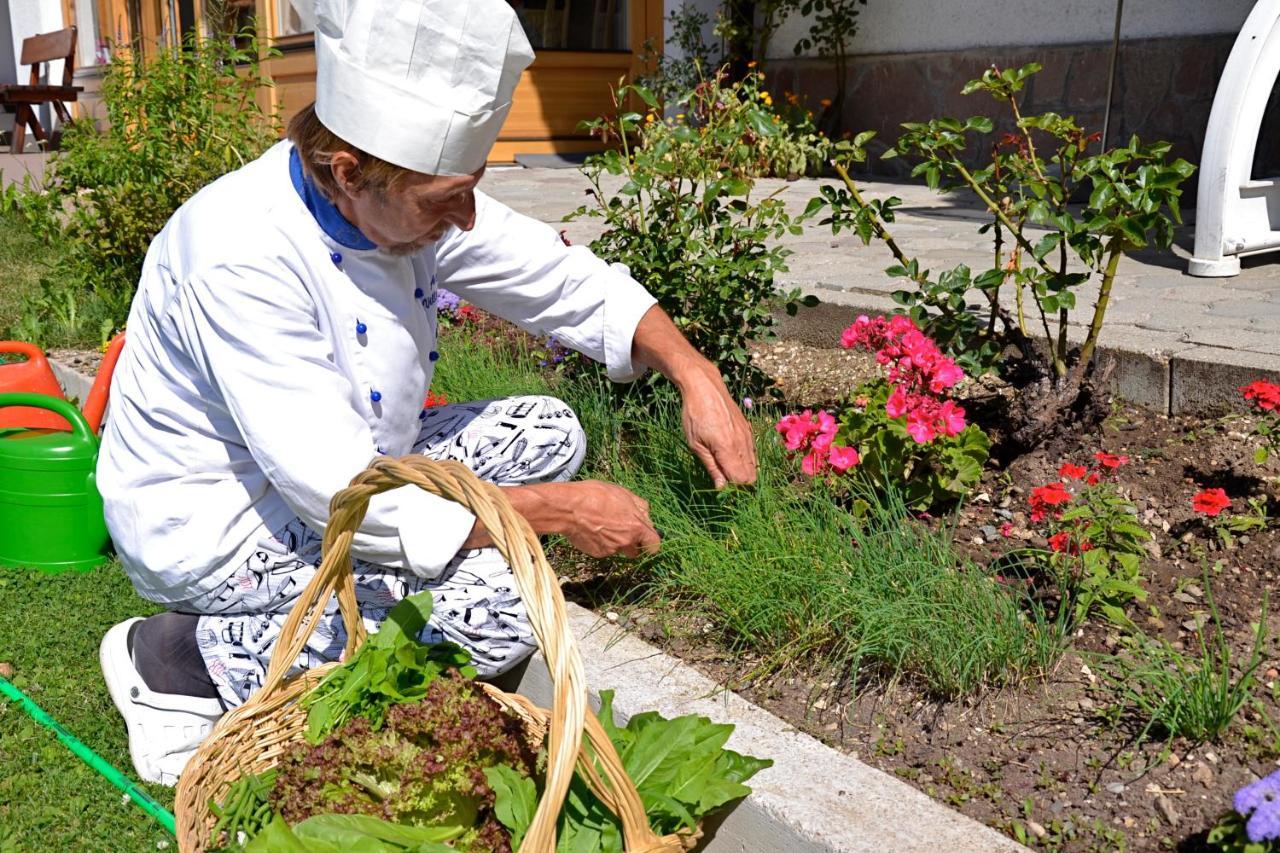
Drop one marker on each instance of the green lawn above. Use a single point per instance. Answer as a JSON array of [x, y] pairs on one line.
[[50, 627], [21, 266]]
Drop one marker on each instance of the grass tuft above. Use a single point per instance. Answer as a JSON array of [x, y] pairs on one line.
[[1196, 696]]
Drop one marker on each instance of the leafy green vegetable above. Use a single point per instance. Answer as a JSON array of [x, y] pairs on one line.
[[391, 668], [348, 833], [515, 799], [679, 766], [424, 767]]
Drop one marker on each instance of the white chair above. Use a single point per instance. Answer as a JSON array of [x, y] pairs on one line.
[[1237, 214]]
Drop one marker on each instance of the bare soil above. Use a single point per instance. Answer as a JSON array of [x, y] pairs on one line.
[[1053, 760]]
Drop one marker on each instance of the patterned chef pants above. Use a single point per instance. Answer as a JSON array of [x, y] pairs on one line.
[[508, 442]]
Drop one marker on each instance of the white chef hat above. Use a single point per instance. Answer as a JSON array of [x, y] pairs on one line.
[[423, 84]]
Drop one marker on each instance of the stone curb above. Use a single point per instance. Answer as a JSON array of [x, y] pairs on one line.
[[1154, 369], [813, 799]]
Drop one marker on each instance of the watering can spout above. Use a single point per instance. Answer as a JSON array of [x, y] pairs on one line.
[[95, 405]]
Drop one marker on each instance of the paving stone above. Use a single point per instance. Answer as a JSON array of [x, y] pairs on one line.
[[1256, 311], [1239, 340]]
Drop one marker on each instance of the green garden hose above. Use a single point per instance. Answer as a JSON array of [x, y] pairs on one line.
[[88, 756]]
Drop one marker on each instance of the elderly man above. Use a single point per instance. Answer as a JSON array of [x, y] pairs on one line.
[[284, 334]]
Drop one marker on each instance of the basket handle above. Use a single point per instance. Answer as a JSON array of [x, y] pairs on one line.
[[543, 601]]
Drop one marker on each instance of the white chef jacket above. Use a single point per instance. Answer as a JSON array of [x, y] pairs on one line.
[[269, 362]]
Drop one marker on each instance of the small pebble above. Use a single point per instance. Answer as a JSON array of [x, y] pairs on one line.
[[1116, 787], [611, 616], [1036, 829], [1167, 810], [6, 669]]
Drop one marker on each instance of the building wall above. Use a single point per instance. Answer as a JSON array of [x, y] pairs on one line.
[[911, 60], [906, 26]]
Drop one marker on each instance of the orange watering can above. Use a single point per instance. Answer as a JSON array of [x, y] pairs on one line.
[[35, 376]]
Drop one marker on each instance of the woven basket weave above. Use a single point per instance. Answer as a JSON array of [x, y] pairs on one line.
[[255, 736]]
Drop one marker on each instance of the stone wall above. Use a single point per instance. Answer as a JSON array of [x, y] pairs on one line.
[[1164, 89]]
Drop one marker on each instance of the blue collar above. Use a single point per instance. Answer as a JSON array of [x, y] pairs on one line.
[[327, 216]]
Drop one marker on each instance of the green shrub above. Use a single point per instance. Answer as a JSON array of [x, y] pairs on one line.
[[1031, 179], [175, 122], [684, 221]]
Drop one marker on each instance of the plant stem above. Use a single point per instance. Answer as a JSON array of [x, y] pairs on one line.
[[1000, 214], [881, 231], [1015, 259], [1114, 250]]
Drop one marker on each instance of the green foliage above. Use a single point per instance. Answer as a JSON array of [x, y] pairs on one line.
[[176, 121], [1102, 562], [679, 766], [685, 224], [677, 71], [1133, 202], [1227, 527], [874, 597], [1229, 835], [338, 833], [421, 768], [923, 475], [1193, 696], [391, 667], [832, 26]]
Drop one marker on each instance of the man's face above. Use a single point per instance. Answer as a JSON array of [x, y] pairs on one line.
[[415, 213]]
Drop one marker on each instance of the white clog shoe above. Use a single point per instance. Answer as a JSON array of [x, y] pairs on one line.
[[164, 729]]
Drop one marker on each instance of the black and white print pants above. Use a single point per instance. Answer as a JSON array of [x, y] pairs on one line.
[[510, 441]]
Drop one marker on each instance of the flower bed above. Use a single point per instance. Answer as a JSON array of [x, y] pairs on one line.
[[1063, 759], [1040, 735]]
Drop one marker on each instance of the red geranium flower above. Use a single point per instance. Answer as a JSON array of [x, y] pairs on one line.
[[1266, 395], [1071, 471], [1044, 497], [1110, 460], [1059, 541], [1210, 502], [434, 399]]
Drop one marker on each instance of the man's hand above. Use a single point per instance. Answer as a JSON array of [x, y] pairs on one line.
[[604, 519], [717, 432], [598, 518]]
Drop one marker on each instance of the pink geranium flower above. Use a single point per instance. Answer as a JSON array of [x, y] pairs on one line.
[[842, 459]]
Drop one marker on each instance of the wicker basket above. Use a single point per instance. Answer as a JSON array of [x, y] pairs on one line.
[[255, 736]]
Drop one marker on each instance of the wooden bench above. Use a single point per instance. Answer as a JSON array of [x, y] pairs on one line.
[[23, 100]]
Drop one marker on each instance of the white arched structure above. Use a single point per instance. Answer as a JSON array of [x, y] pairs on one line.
[[1237, 214]]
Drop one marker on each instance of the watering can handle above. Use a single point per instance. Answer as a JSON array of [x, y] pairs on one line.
[[79, 425], [95, 405], [31, 351]]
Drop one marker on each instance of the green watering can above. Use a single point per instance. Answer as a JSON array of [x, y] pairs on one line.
[[50, 509]]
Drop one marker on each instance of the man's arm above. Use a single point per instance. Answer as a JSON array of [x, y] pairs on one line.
[[717, 432]]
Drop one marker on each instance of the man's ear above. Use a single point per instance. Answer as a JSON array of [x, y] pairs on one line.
[[346, 172]]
